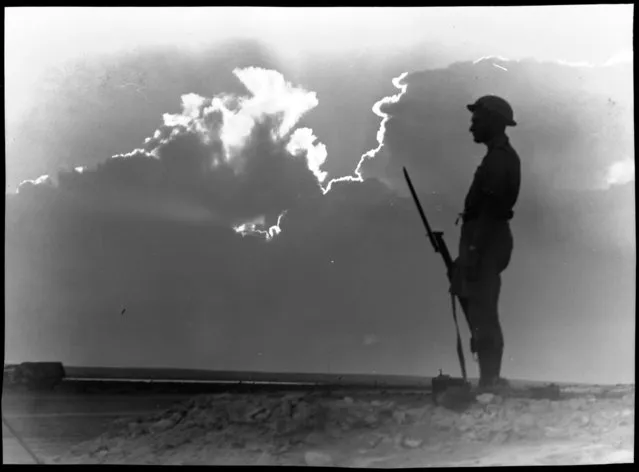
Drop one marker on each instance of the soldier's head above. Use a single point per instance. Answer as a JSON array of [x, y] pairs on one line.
[[490, 117]]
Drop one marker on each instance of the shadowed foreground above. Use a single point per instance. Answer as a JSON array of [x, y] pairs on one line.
[[357, 427]]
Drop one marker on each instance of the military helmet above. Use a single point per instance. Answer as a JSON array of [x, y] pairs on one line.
[[494, 104]]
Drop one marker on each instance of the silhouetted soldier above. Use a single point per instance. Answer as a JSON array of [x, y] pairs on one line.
[[486, 241]]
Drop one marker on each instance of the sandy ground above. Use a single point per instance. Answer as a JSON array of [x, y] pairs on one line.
[[52, 423], [586, 425]]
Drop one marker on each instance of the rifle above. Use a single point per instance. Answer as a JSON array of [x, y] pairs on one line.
[[437, 240]]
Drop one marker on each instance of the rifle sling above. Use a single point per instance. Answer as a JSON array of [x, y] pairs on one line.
[[460, 350]]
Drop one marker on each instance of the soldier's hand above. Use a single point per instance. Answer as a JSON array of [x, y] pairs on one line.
[[452, 270], [457, 278]]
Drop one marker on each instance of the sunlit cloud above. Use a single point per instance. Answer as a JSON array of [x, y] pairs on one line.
[[271, 95], [623, 57], [488, 58], [621, 172], [253, 227], [249, 226], [230, 158], [303, 141], [42, 180], [381, 132]]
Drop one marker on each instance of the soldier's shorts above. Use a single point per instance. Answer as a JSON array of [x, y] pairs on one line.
[[482, 293]]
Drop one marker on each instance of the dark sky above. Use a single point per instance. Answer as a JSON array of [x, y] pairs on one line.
[[348, 279]]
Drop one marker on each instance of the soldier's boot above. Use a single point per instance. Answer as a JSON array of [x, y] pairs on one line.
[[498, 355], [490, 379], [496, 360], [485, 368]]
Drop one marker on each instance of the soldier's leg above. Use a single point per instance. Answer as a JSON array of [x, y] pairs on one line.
[[503, 254], [481, 298], [486, 329], [495, 337]]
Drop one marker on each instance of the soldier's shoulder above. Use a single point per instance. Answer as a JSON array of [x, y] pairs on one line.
[[500, 151], [506, 149], [504, 146]]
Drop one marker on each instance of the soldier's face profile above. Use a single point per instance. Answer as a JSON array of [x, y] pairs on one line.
[[479, 127]]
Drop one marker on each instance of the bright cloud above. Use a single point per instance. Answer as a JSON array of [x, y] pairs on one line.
[[621, 172], [303, 140]]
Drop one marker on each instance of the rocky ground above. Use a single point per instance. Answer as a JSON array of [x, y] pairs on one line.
[[588, 426]]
